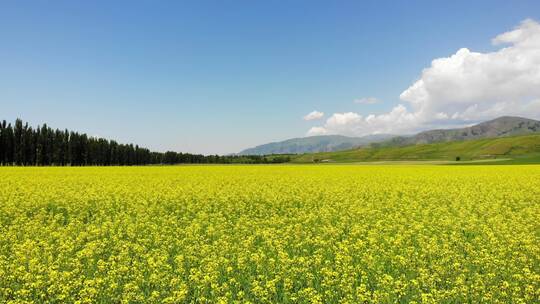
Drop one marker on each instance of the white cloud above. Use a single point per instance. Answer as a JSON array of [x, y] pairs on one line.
[[464, 88], [354, 124], [367, 100], [314, 115], [317, 131]]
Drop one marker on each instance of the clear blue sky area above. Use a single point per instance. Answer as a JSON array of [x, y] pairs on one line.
[[220, 76]]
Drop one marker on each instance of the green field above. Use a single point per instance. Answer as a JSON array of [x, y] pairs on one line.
[[526, 159], [524, 149], [270, 234]]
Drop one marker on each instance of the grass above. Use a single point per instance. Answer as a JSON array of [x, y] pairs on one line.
[[516, 150], [527, 159]]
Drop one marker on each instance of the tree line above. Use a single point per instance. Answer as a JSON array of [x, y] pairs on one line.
[[22, 145]]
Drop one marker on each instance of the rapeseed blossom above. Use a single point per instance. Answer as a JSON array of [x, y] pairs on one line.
[[270, 234]]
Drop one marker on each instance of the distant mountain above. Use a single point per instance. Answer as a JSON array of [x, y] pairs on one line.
[[499, 127], [312, 144]]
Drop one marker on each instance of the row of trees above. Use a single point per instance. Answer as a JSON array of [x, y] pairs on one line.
[[22, 145]]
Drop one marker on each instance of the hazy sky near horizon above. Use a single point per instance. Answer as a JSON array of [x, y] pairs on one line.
[[220, 76]]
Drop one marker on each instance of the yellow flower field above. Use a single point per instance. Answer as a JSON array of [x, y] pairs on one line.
[[268, 234]]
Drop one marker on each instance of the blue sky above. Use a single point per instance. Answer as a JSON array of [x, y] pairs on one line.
[[220, 76]]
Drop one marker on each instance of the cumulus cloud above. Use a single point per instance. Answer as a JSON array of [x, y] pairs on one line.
[[367, 100], [314, 115], [317, 131], [464, 88]]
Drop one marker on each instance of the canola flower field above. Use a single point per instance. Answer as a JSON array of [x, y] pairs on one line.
[[270, 234]]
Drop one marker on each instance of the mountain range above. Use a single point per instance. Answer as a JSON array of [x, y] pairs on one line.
[[312, 144], [500, 127]]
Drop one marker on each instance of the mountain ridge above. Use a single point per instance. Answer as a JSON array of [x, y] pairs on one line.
[[499, 127], [313, 144]]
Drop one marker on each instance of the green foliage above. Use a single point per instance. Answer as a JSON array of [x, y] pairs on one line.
[[23, 146]]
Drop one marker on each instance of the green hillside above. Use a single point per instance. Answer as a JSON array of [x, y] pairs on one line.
[[517, 147]]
